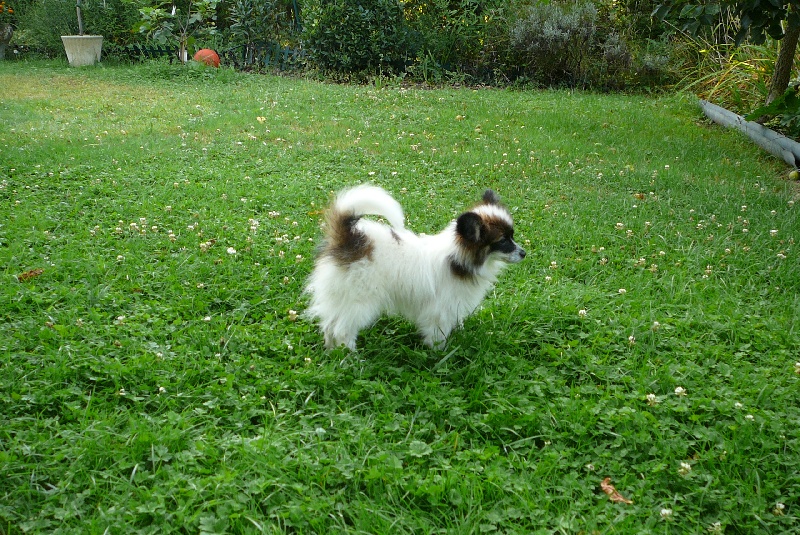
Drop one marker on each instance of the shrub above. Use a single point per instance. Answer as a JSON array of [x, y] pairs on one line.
[[254, 20], [358, 36], [456, 35], [44, 22], [554, 41]]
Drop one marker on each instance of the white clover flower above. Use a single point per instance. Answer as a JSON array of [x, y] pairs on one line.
[[773, 232], [632, 340], [716, 527], [207, 318], [685, 469], [292, 315], [749, 417], [779, 508], [231, 250], [680, 391], [656, 326], [619, 226], [797, 367], [622, 291], [666, 514], [652, 400], [738, 405], [582, 313]]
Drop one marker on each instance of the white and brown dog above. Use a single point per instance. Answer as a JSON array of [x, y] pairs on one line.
[[366, 268]]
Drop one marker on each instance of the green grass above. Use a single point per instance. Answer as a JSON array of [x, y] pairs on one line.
[[154, 379]]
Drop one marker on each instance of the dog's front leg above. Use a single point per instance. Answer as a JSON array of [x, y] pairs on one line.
[[435, 336]]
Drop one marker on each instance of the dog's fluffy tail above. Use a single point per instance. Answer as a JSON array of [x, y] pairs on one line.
[[370, 200]]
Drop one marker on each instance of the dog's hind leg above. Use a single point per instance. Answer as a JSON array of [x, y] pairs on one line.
[[343, 329]]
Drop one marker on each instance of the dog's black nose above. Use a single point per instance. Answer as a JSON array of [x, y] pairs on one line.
[[522, 252]]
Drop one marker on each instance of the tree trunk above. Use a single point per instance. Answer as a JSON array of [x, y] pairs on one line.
[[784, 63]]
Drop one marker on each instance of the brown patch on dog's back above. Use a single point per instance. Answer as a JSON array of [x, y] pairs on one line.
[[346, 243]]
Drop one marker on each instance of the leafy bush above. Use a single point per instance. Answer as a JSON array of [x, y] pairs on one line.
[[179, 23], [254, 20], [783, 112], [43, 23], [458, 36], [358, 36], [554, 41]]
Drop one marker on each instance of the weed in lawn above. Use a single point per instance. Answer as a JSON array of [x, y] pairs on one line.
[[157, 374]]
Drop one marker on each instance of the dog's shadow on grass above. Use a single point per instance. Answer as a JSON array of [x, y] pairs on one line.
[[394, 342]]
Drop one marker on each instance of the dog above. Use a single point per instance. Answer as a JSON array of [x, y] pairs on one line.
[[366, 268]]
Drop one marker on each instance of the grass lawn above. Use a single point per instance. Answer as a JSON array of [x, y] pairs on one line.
[[156, 373]]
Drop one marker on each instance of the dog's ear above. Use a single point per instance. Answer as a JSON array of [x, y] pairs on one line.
[[490, 197], [470, 227]]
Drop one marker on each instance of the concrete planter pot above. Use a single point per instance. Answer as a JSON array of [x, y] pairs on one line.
[[82, 49]]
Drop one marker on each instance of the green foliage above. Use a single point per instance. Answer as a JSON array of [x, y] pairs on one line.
[[785, 109], [461, 36], [358, 36], [756, 20], [178, 23], [251, 21], [43, 22], [555, 41]]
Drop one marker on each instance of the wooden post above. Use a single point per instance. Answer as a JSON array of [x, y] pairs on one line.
[[80, 20]]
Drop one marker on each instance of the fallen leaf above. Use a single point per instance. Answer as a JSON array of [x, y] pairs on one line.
[[613, 495], [28, 275]]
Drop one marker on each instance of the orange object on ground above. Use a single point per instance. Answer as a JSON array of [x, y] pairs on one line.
[[207, 56]]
